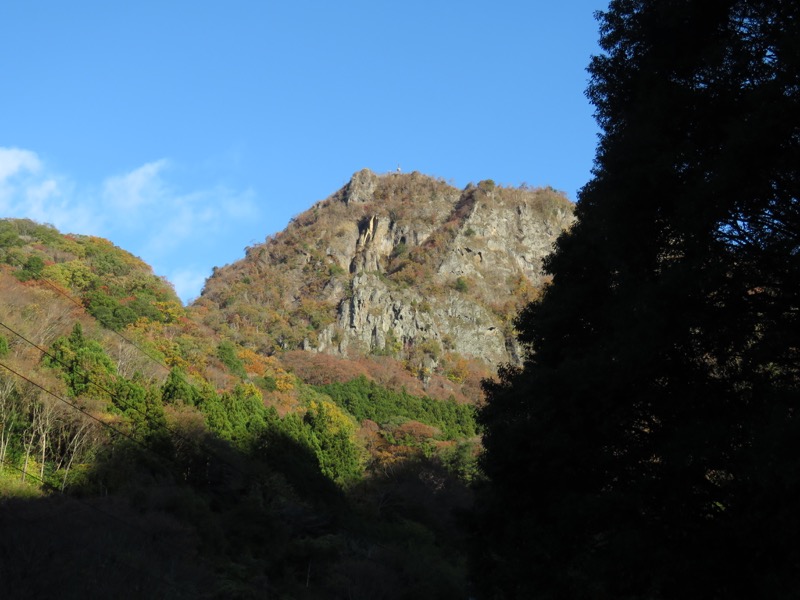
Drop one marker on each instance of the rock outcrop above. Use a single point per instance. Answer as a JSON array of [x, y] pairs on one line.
[[398, 264]]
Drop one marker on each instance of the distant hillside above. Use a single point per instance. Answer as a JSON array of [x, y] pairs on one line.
[[137, 442], [292, 433], [116, 287], [398, 265]]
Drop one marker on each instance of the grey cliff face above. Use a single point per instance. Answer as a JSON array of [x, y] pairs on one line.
[[416, 267], [498, 241]]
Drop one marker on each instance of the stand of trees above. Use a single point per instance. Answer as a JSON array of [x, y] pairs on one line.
[[655, 419]]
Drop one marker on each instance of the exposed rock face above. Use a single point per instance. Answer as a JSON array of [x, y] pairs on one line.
[[403, 265]]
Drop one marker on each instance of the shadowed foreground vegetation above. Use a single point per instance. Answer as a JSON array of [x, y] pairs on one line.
[[646, 448], [164, 462]]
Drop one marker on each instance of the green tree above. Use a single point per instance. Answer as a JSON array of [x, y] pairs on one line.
[[177, 389], [142, 407], [655, 415], [86, 368], [32, 269], [330, 433], [226, 352]]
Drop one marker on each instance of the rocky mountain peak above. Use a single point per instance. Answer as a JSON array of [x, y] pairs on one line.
[[361, 187], [403, 265]]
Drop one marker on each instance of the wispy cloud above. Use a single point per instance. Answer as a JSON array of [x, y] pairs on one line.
[[28, 189], [140, 188], [141, 210], [14, 161]]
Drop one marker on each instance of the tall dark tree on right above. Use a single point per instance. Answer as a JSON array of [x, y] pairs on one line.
[[657, 416]]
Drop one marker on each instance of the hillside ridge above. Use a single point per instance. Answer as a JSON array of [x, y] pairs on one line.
[[400, 265]]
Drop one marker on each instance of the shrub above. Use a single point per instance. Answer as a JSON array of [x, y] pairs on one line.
[[226, 352], [32, 269]]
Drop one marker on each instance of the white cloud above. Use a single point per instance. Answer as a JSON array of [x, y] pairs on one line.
[[40, 192], [139, 210], [140, 187], [28, 190], [14, 160]]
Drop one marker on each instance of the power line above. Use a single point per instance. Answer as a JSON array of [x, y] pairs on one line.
[[106, 514], [69, 367], [170, 458], [148, 418], [76, 407], [59, 290], [53, 488], [197, 444], [114, 430]]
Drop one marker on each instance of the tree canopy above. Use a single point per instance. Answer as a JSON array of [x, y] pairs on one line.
[[655, 415]]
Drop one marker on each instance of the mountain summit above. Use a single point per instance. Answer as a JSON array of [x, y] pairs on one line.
[[400, 265]]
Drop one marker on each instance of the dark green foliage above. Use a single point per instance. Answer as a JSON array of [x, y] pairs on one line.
[[109, 311], [655, 418], [400, 250], [115, 314], [32, 269], [105, 260], [259, 515], [177, 389], [339, 458], [3, 346], [266, 383], [142, 408], [462, 461], [246, 411], [238, 416], [285, 445], [365, 399], [185, 490], [85, 366], [115, 287], [226, 352]]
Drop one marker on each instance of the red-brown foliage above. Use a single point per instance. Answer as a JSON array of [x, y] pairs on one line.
[[321, 369]]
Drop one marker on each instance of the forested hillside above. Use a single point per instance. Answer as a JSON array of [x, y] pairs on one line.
[[317, 424], [402, 266], [158, 458]]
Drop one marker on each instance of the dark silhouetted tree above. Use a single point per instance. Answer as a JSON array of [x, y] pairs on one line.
[[654, 421]]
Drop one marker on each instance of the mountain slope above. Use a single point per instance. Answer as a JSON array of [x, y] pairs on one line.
[[180, 464], [200, 426], [399, 265]]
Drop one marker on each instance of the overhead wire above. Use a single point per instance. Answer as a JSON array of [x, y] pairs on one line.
[[149, 418], [81, 409], [196, 444], [116, 431], [107, 515], [108, 426], [80, 305]]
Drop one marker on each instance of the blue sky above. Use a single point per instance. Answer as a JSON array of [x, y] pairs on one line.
[[186, 131]]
